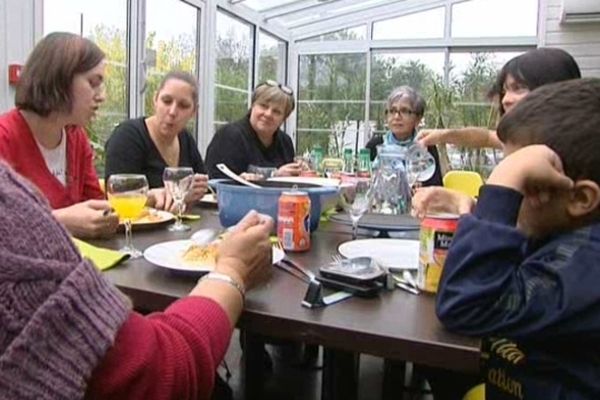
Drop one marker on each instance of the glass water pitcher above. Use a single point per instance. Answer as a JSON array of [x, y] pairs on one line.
[[392, 192]]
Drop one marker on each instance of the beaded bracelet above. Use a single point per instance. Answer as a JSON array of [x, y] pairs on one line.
[[227, 279]]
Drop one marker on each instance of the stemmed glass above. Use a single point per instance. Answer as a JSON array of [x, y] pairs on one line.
[[178, 181], [420, 164], [356, 197], [127, 195]]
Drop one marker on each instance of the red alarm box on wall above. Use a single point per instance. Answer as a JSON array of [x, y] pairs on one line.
[[14, 73]]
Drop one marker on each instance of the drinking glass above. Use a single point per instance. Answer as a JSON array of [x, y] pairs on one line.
[[263, 172], [178, 181], [127, 195], [356, 199], [420, 164]]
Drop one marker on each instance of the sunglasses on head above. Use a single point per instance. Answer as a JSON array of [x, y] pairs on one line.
[[285, 89]]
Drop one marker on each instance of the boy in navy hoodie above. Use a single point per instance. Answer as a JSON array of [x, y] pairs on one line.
[[523, 270]]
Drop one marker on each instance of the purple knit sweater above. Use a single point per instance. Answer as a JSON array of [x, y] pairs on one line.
[[58, 316]]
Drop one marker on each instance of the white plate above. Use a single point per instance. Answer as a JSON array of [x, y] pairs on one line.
[[151, 216], [209, 198], [168, 255], [391, 253], [307, 179]]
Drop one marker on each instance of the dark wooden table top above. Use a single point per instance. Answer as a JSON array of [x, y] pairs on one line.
[[395, 325]]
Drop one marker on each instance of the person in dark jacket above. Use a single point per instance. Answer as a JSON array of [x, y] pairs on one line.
[[147, 145], [522, 270], [404, 111], [256, 140]]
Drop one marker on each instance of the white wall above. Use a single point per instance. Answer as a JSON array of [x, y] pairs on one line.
[[581, 40], [17, 38]]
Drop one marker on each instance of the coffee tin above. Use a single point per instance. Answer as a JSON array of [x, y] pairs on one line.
[[437, 231]]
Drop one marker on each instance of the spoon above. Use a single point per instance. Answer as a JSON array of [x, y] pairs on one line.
[[224, 169]]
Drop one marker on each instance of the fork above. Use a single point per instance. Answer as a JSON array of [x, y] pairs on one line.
[[306, 272], [337, 259]]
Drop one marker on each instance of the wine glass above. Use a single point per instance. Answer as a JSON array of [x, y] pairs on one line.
[[127, 195], [420, 164], [356, 198], [178, 181]]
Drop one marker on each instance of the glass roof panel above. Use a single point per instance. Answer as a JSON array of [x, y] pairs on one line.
[[261, 5], [421, 25], [485, 18]]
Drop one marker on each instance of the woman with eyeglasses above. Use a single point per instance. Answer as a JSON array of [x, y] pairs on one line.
[[149, 144], [404, 111], [256, 140], [43, 138], [516, 79], [518, 76]]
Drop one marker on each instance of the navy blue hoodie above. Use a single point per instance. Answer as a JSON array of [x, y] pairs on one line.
[[537, 304]]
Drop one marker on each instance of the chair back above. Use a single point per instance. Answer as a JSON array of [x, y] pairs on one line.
[[467, 182]]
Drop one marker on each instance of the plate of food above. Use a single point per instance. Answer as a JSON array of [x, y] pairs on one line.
[[209, 199], [150, 217], [189, 257]]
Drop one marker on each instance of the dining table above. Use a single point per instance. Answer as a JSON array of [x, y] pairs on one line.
[[395, 325]]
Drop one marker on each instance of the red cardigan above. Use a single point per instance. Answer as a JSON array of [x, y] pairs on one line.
[[19, 148], [170, 355]]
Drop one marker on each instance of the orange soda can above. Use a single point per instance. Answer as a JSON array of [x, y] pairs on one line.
[[437, 231], [293, 221]]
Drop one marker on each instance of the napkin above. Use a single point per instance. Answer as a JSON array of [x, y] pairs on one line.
[[325, 215], [101, 257]]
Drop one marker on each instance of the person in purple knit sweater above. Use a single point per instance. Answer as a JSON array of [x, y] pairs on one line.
[[67, 333]]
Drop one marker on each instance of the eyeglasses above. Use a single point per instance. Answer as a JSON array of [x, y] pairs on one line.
[[285, 89], [404, 112]]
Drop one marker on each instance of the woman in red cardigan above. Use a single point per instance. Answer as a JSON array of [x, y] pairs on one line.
[[60, 90]]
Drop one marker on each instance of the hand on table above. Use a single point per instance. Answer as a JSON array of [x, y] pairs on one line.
[[436, 199], [198, 189], [291, 169], [88, 219]]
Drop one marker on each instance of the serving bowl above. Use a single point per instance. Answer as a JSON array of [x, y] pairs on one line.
[[234, 200]]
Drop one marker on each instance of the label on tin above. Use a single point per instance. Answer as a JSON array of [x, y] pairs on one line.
[[435, 239]]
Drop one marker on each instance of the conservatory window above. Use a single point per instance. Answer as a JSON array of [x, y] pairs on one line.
[[170, 44], [272, 58], [234, 65], [419, 70], [106, 25], [331, 103], [422, 25], [486, 18]]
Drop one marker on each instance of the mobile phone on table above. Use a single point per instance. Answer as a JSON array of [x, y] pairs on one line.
[[356, 271], [369, 289]]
